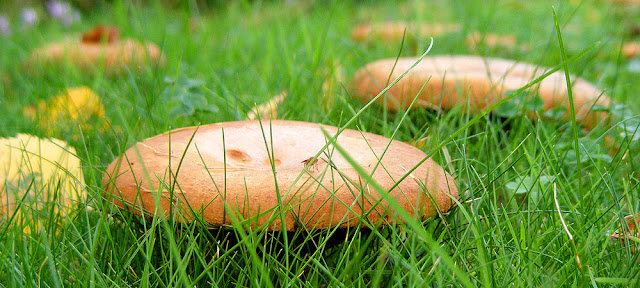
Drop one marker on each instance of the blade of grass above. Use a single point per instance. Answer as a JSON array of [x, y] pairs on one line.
[[402, 214], [574, 125]]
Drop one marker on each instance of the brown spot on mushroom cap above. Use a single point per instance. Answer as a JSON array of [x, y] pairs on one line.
[[91, 52], [320, 198], [451, 80]]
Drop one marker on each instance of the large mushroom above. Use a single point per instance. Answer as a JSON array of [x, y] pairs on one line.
[[257, 172], [452, 80], [99, 48]]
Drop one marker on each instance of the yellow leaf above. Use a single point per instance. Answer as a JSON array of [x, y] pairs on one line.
[[334, 79], [268, 110], [38, 176], [77, 106]]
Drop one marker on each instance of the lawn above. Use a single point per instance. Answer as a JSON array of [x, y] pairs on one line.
[[534, 210]]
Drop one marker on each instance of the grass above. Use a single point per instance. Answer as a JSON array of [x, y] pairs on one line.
[[527, 216]]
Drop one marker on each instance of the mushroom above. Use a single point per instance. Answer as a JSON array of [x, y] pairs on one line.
[[253, 171], [100, 46], [394, 31], [492, 40], [450, 80], [631, 49]]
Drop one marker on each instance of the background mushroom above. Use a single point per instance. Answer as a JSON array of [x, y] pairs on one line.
[[451, 80], [492, 40], [226, 170], [631, 49], [99, 48], [394, 31]]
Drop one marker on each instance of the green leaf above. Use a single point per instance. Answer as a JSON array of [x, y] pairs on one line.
[[211, 108], [599, 108], [571, 158], [196, 100], [181, 110], [534, 104], [556, 113], [507, 110], [530, 187], [518, 104]]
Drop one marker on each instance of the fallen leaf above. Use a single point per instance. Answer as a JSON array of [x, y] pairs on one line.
[[418, 143], [36, 174], [628, 231], [334, 79], [77, 106], [268, 110]]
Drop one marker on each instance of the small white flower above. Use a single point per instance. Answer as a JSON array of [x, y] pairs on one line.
[[29, 16], [58, 9], [63, 12], [5, 27]]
